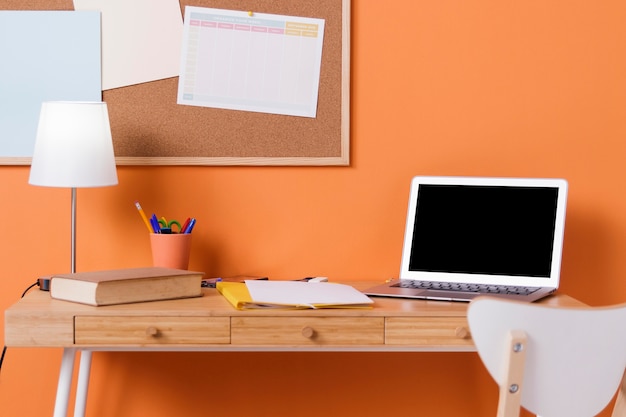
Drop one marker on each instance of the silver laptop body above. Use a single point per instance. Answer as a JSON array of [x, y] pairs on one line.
[[470, 236]]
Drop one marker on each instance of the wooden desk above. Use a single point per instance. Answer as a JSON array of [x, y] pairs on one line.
[[209, 323]]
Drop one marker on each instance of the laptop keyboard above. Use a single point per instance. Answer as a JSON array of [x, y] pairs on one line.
[[477, 288]]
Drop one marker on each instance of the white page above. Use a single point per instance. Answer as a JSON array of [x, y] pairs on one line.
[[262, 63], [141, 39], [304, 293], [44, 56]]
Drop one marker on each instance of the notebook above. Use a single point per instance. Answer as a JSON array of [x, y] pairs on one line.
[[470, 236]]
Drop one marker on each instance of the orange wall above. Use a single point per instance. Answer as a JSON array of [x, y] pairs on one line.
[[488, 87]]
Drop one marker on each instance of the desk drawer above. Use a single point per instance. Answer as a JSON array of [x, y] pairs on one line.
[[102, 330], [303, 331], [427, 331]]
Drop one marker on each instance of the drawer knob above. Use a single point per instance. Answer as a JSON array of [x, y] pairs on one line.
[[308, 332], [152, 331], [462, 332]]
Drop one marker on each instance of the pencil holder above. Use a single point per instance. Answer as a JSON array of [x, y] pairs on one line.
[[171, 250]]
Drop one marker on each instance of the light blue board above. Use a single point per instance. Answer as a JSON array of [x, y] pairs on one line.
[[44, 55]]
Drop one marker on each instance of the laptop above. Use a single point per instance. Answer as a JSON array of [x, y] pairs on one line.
[[471, 236]]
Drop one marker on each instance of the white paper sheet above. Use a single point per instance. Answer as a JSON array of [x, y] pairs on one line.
[[304, 293], [260, 62], [44, 55], [141, 39]]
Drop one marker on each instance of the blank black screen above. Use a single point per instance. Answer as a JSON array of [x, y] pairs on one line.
[[491, 230]]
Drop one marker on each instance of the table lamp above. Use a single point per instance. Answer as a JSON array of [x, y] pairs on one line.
[[73, 148]]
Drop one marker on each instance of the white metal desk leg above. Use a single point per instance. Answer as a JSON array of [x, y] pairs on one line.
[[83, 383], [65, 383]]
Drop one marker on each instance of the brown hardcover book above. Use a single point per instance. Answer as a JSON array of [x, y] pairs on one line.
[[121, 286]]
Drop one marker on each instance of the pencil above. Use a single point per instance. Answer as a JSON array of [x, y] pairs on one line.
[[143, 217]]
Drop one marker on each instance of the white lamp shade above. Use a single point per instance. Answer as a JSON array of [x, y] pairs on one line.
[[74, 147]]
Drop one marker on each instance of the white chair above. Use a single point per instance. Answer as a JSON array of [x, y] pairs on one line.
[[554, 362]]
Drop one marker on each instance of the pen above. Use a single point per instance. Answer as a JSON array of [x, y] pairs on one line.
[[192, 223], [155, 224], [143, 216], [185, 225]]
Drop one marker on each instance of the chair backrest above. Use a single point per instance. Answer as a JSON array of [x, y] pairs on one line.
[[573, 359]]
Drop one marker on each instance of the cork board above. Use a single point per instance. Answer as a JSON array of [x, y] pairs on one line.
[[150, 128]]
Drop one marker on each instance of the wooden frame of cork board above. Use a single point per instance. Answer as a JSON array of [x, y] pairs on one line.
[[150, 128]]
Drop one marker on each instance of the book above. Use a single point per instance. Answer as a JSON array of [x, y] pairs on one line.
[[292, 294], [121, 286]]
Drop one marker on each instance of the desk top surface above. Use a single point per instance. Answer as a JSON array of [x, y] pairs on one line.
[[213, 303]]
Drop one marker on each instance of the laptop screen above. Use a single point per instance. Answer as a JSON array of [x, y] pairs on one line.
[[485, 230]]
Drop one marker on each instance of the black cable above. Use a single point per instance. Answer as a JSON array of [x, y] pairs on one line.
[[2, 357], [4, 350], [27, 289]]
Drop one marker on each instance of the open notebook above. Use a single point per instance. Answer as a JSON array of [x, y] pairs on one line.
[[261, 294], [467, 236]]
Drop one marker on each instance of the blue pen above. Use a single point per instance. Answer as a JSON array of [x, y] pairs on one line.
[[192, 223], [155, 224]]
